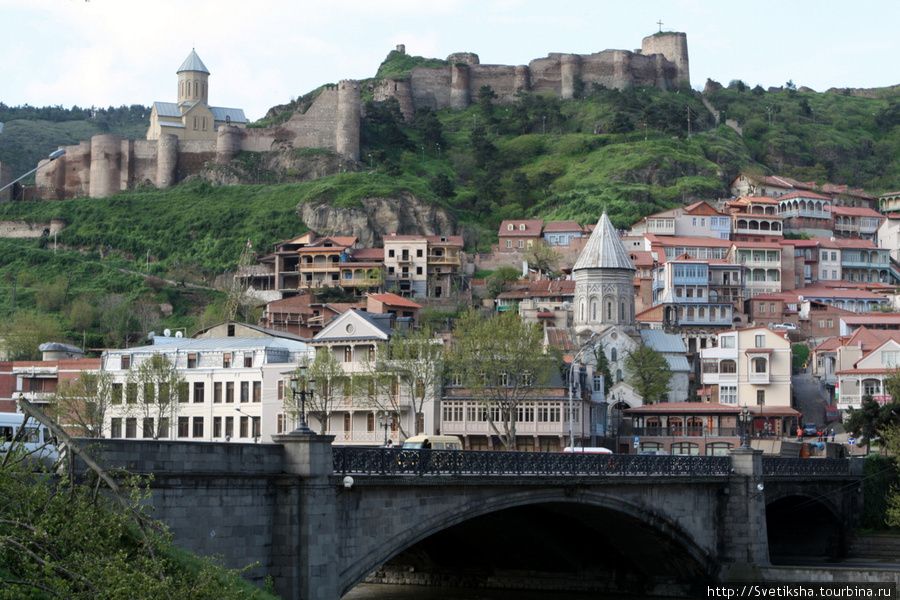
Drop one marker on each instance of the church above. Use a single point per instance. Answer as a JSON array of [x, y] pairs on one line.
[[191, 118], [604, 316]]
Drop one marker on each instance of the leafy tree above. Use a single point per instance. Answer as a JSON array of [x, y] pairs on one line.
[[501, 362], [81, 315], [486, 97], [81, 405], [871, 418], [442, 186], [51, 297], [22, 335], [648, 373], [543, 257], [410, 362], [63, 539], [330, 382], [153, 390], [428, 124], [496, 280], [332, 294], [602, 363]]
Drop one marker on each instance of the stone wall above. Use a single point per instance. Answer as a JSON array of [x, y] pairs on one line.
[[21, 229]]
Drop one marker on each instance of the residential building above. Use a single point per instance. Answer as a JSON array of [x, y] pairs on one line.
[[861, 362], [888, 235], [773, 186], [856, 222], [853, 298], [696, 220], [763, 266], [889, 202], [806, 212], [863, 261], [422, 265], [234, 388], [561, 233], [843, 195], [38, 380], [755, 219], [301, 315], [749, 367], [668, 248], [685, 429], [545, 302], [517, 235]]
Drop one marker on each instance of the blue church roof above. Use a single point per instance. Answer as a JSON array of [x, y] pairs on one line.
[[193, 63]]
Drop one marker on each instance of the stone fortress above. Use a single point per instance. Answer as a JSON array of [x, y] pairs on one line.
[[185, 136]]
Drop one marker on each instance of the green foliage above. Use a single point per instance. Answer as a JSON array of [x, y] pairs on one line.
[[63, 540], [800, 354], [648, 373], [398, 65], [881, 484]]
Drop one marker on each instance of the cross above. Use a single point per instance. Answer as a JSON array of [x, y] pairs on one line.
[[660, 25]]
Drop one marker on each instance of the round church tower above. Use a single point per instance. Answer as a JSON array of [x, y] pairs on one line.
[[604, 281], [193, 80]]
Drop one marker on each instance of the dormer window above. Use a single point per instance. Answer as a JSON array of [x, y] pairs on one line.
[[522, 227], [509, 227]]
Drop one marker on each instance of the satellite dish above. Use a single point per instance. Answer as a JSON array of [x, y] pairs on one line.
[[567, 305], [167, 332], [151, 335], [179, 334]]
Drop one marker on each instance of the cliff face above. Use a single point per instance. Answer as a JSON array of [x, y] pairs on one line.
[[405, 215]]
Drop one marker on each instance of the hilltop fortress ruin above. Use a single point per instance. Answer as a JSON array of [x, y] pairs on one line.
[[185, 136]]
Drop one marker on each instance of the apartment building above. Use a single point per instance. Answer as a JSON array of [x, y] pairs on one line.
[[422, 265]]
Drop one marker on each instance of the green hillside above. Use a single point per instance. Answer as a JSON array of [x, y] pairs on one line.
[[632, 153]]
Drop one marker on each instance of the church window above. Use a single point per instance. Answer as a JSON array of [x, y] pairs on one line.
[[594, 310], [621, 311], [204, 123], [613, 354], [196, 122], [609, 310]]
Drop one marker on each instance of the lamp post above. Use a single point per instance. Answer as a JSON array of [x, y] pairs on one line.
[[745, 428], [385, 424], [53, 156], [298, 388], [587, 344]]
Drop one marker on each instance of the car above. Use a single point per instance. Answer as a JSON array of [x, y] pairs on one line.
[[810, 430], [790, 326]]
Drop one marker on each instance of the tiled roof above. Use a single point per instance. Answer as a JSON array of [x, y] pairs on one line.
[[193, 63], [803, 194], [562, 227], [604, 249], [394, 300], [532, 228], [855, 211]]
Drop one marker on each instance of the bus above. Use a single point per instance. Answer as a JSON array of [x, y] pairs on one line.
[[36, 440]]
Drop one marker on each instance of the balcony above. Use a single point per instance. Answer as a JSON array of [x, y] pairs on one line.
[[437, 259], [759, 378], [725, 321], [719, 378], [806, 214], [686, 431]]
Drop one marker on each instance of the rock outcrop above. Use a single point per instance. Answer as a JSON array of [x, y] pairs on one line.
[[404, 214]]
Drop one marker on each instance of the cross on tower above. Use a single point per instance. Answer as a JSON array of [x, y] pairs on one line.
[[660, 25]]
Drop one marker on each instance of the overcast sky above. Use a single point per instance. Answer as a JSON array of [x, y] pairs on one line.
[[261, 53]]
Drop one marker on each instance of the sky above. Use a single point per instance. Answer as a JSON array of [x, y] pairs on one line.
[[262, 53]]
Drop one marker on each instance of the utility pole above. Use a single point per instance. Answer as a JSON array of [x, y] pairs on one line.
[[689, 121]]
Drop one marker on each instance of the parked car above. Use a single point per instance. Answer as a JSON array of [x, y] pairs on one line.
[[790, 326], [810, 430]]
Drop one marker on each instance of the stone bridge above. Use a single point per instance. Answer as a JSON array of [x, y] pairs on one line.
[[320, 520]]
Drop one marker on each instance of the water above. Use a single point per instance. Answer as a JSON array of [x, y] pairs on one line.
[[379, 591]]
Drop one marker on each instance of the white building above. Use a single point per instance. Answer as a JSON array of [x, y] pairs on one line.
[[233, 389]]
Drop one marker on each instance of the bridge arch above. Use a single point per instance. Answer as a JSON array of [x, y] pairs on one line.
[[696, 554], [805, 525]]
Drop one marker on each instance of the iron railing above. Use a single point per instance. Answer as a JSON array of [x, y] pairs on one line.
[[394, 461], [775, 465]]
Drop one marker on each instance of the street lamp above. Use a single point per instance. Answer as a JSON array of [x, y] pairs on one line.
[[298, 388], [385, 424], [53, 156], [745, 428], [587, 345]]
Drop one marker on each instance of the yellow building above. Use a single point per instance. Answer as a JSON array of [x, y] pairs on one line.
[[191, 118]]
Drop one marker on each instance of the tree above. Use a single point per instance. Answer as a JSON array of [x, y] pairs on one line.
[[153, 390], [501, 362], [410, 361], [330, 381], [648, 373], [496, 280], [82, 404], [868, 421], [602, 364], [542, 257], [22, 335], [442, 186]]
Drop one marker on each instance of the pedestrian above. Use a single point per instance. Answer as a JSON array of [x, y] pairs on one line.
[[799, 434], [832, 434], [227, 438]]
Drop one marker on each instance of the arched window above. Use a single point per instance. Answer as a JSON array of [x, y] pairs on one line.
[[685, 449], [618, 375], [621, 311], [613, 353], [727, 366], [522, 227], [759, 365], [510, 227], [608, 310], [594, 310], [718, 448], [581, 312]]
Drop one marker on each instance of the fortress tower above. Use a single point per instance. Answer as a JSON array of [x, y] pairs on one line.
[[672, 45], [604, 281]]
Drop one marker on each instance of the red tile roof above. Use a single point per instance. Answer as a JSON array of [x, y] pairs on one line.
[[394, 300]]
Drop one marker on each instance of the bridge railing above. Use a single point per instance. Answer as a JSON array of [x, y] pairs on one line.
[[776, 465], [392, 461]]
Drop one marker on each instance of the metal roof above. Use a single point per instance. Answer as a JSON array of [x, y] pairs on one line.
[[663, 342], [220, 113], [193, 63], [604, 249], [225, 344]]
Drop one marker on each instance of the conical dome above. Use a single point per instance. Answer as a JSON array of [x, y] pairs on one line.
[[604, 249], [193, 63]]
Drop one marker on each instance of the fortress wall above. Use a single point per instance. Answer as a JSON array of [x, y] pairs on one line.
[[431, 87], [126, 172], [399, 89], [349, 110], [106, 164], [546, 74], [673, 46], [192, 155], [259, 140], [501, 78], [600, 68], [144, 162], [317, 128], [21, 229]]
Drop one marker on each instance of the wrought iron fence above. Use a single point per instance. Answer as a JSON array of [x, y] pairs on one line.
[[774, 465], [395, 461]]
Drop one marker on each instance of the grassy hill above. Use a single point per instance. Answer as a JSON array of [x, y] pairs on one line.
[[631, 152]]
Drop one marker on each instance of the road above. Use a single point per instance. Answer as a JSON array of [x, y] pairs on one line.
[[808, 398]]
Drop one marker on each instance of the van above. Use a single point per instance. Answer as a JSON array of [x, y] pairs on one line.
[[36, 440], [588, 450], [434, 442]]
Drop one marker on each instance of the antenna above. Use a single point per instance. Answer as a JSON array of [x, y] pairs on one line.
[[151, 335]]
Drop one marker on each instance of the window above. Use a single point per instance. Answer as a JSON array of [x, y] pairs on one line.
[[510, 227], [761, 397], [762, 307], [149, 395], [245, 427], [116, 394], [183, 391], [503, 380], [525, 413], [115, 427], [245, 391], [183, 427], [281, 424], [126, 361], [281, 389], [217, 392], [830, 323], [521, 243], [727, 341], [889, 358], [130, 393], [759, 365], [163, 427], [257, 391], [192, 361], [522, 227], [148, 427], [229, 391], [509, 242], [229, 427], [418, 252], [728, 366], [226, 360], [255, 421], [248, 360], [418, 270], [217, 427], [760, 341], [198, 427], [198, 392], [348, 354]]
